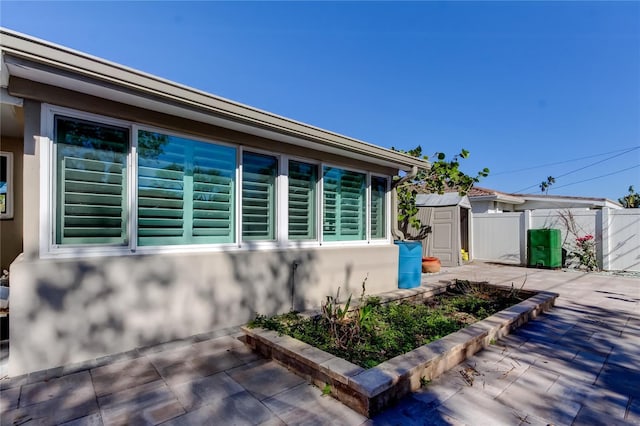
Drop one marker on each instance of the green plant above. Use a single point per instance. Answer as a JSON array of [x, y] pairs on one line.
[[326, 390], [582, 247], [631, 200], [375, 332], [546, 184], [442, 175], [585, 252], [345, 326], [424, 382]]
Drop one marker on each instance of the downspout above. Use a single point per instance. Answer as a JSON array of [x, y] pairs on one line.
[[395, 231]]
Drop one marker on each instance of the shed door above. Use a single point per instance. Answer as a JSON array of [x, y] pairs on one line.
[[445, 238]]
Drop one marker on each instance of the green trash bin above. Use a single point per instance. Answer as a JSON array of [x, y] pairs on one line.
[[544, 248]]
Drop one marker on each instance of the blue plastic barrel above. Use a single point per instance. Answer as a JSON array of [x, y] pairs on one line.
[[410, 264]]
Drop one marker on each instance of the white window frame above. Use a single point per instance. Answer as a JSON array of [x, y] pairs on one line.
[[318, 222], [176, 248], [366, 239], [48, 171], [277, 242], [387, 216], [47, 212], [8, 200]]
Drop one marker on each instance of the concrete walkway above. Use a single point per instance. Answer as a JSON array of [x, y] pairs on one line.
[[577, 364]]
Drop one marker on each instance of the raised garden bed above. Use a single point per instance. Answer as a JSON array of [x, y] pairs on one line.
[[369, 391]]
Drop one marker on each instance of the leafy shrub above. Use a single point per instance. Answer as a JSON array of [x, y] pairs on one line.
[[375, 332]]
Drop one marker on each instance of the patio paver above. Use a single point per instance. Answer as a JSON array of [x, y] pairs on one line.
[[576, 364]]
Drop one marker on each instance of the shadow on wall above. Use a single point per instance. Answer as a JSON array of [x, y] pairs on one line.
[[273, 282], [69, 310], [624, 249]]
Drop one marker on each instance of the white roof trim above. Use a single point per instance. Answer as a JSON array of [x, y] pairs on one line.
[[503, 198]]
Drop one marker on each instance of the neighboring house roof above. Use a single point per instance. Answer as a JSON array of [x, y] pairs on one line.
[[43, 62], [557, 200], [541, 201], [484, 194], [444, 200]]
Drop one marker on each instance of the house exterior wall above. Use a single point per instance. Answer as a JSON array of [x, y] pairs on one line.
[[31, 179], [11, 229], [504, 207], [79, 307], [482, 206]]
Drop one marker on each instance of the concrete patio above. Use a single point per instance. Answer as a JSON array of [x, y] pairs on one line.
[[577, 364]]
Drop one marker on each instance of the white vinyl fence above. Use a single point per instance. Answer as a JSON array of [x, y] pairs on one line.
[[502, 237]]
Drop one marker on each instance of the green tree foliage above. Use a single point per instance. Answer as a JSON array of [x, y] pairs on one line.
[[443, 175], [631, 200], [546, 184]]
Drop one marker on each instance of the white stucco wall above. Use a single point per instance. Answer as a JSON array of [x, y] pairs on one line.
[[72, 310]]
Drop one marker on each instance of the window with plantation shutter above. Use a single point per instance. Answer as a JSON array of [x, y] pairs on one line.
[[378, 207], [185, 191], [124, 189], [344, 205], [258, 196], [91, 177], [302, 200]]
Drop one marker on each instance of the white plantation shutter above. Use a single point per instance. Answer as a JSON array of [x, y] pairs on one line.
[[161, 181], [378, 207], [185, 191], [302, 201], [344, 209], [213, 192], [91, 173], [258, 196]]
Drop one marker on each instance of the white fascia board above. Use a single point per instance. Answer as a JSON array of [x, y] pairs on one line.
[[47, 63], [577, 202], [498, 197], [563, 200]]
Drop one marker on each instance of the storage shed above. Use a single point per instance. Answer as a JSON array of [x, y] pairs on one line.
[[449, 216]]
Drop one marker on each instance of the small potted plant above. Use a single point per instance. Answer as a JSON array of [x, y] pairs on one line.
[[430, 265]]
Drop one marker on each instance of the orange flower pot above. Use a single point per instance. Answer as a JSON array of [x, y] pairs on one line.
[[430, 264]]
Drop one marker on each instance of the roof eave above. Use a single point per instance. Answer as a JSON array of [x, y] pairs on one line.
[[33, 58]]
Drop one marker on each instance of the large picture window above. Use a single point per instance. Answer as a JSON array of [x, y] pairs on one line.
[[185, 191], [91, 175], [258, 196], [344, 206], [302, 200], [122, 187]]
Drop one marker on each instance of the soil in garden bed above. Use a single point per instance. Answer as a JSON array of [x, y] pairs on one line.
[[376, 332]]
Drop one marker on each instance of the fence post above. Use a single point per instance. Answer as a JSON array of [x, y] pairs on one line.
[[603, 225], [526, 225]]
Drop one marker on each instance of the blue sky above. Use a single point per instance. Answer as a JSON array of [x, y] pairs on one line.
[[521, 85]]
